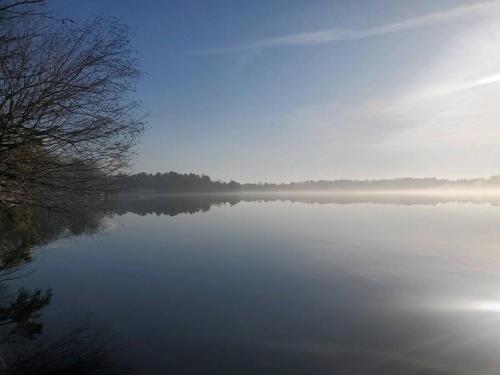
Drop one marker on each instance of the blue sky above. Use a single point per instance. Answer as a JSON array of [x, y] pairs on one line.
[[297, 90]]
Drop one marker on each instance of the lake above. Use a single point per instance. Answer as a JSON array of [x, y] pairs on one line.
[[314, 284]]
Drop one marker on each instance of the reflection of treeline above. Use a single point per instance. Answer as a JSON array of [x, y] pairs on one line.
[[170, 205], [25, 229], [172, 182], [175, 204]]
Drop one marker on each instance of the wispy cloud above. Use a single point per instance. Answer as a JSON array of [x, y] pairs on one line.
[[450, 88], [336, 35]]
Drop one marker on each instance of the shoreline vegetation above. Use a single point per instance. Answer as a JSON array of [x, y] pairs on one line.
[[176, 183], [68, 121]]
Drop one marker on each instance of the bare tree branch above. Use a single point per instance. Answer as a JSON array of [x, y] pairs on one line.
[[67, 122]]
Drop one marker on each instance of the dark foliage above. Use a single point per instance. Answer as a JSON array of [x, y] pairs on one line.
[[176, 183], [173, 182]]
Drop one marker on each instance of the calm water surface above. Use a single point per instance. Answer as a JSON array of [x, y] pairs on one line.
[[185, 286]]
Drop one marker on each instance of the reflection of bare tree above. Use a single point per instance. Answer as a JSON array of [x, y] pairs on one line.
[[83, 350], [25, 350], [25, 347], [20, 317], [26, 229]]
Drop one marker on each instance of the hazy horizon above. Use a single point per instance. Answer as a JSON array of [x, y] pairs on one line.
[[293, 91], [324, 179]]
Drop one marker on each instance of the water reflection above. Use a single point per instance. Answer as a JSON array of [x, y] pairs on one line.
[[253, 287], [25, 229], [24, 347], [174, 204]]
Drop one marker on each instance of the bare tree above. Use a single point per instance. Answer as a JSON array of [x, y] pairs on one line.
[[10, 9], [66, 120]]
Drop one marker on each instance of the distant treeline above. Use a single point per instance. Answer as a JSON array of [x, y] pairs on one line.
[[173, 182]]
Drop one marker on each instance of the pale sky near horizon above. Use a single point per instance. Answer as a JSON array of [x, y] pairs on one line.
[[294, 90]]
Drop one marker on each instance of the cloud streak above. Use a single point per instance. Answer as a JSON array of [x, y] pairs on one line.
[[337, 35]]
